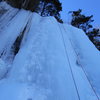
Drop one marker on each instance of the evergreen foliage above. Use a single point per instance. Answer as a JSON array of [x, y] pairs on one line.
[[84, 22], [94, 36], [81, 21], [51, 8], [43, 7]]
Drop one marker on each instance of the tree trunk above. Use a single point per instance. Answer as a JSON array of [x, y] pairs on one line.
[[25, 4], [44, 5]]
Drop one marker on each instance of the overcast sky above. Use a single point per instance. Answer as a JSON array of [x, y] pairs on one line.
[[89, 7]]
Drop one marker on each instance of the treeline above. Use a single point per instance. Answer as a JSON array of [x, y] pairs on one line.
[[43, 7], [84, 22], [53, 8]]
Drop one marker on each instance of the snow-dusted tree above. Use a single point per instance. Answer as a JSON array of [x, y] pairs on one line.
[[51, 8]]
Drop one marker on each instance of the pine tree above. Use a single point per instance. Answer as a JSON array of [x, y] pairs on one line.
[[84, 22], [51, 8], [31, 5], [94, 36], [43, 7], [81, 21], [26, 4], [15, 3]]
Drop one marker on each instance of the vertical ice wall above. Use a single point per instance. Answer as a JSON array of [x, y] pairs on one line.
[[46, 66]]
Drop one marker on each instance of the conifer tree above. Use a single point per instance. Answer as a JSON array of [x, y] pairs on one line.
[[51, 8], [84, 22], [43, 7], [94, 36], [81, 21]]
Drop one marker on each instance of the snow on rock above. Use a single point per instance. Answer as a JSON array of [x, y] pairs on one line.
[[3, 69]]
